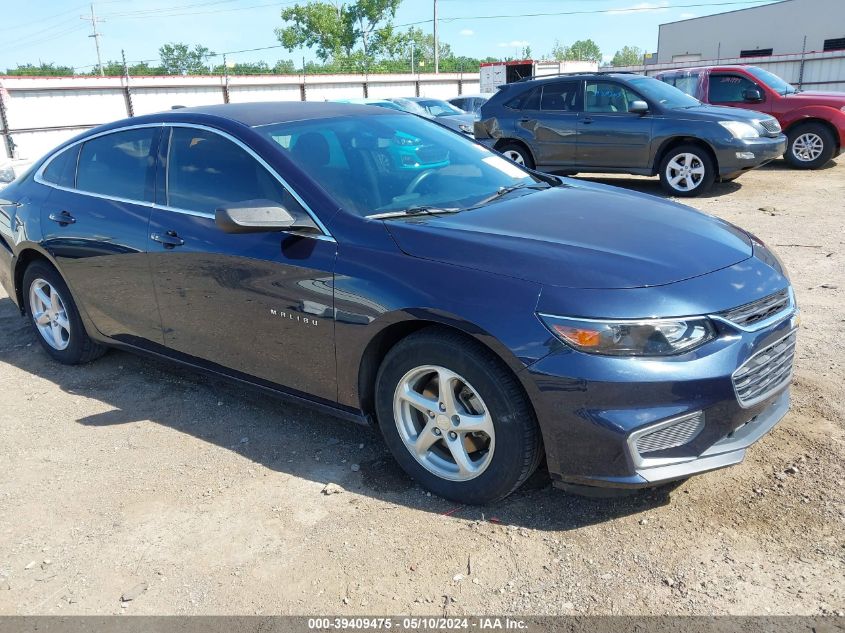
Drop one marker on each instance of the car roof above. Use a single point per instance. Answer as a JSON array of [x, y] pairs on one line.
[[265, 113]]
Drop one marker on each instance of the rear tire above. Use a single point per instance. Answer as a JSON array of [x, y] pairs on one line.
[[810, 146], [687, 171], [55, 317], [455, 418], [518, 154]]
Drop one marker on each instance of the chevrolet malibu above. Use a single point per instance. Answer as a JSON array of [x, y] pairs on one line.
[[482, 315]]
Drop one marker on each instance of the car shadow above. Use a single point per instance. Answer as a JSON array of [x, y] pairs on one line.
[[286, 437], [782, 165]]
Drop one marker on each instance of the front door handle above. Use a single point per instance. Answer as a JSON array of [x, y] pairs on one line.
[[169, 239], [586, 120], [63, 218]]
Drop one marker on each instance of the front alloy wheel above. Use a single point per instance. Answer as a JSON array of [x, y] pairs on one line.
[[687, 171], [455, 417], [444, 423]]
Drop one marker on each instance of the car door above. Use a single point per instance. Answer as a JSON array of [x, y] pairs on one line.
[[258, 304], [548, 120], [608, 134], [95, 223], [731, 89]]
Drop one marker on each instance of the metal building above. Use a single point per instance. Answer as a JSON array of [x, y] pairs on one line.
[[779, 28]]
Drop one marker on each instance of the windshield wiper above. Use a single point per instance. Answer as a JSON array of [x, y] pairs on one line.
[[412, 211], [503, 191]]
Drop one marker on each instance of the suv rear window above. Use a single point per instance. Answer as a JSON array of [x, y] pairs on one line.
[[560, 96]]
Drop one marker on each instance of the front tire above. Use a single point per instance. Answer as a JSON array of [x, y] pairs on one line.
[[455, 418], [55, 317], [518, 154], [810, 146], [687, 171]]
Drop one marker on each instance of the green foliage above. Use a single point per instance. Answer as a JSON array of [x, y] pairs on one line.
[[580, 50], [179, 59], [334, 31], [41, 70], [628, 56]]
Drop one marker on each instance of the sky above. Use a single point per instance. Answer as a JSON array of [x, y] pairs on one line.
[[53, 31]]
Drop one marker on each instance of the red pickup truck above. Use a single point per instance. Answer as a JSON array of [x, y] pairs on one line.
[[814, 122]]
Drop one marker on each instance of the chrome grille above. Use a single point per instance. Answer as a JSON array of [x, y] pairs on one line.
[[682, 432], [765, 372], [771, 126], [757, 311]]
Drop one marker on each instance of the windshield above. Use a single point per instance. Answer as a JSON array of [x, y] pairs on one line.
[[394, 162], [411, 106], [662, 93], [772, 81], [437, 108]]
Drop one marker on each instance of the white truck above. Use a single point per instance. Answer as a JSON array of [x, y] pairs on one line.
[[494, 74]]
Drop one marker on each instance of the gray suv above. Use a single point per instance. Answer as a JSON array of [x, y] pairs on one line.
[[626, 123]]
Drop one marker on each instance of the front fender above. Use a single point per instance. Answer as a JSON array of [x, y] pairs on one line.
[[834, 117]]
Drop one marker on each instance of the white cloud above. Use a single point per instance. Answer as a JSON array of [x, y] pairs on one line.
[[467, 32], [514, 44], [642, 7], [687, 16]]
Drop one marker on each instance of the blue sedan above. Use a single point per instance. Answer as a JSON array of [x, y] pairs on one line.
[[482, 315]]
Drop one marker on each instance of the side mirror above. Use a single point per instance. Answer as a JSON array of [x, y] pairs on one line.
[[638, 107], [259, 216], [752, 95]]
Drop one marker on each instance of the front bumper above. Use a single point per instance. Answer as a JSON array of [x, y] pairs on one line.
[[742, 155], [591, 423]]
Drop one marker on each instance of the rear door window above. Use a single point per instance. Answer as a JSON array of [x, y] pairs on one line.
[[561, 96], [121, 164], [729, 88]]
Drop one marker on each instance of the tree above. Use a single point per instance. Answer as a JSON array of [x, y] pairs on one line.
[[628, 56], [179, 59], [581, 50], [585, 50], [335, 30], [42, 70], [526, 52], [560, 52]]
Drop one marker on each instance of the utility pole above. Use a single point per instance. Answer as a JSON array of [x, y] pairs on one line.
[[94, 19], [436, 43], [413, 45]]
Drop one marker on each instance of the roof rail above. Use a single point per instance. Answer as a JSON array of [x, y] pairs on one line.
[[577, 73]]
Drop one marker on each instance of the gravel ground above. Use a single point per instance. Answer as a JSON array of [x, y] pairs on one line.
[[131, 486]]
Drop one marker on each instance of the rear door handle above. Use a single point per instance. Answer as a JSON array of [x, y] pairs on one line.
[[169, 239], [586, 120], [63, 218]]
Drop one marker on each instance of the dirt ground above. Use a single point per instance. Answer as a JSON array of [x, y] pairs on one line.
[[132, 478]]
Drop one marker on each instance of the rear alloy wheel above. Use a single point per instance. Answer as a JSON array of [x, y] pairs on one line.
[[455, 418], [810, 146], [518, 154], [687, 171], [55, 318]]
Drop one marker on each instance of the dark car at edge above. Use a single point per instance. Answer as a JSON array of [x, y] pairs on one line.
[[482, 315], [626, 123]]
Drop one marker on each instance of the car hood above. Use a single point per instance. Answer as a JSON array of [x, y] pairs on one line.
[[578, 236], [723, 113], [816, 97], [454, 120]]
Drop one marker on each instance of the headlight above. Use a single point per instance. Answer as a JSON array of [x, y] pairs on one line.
[[647, 337], [738, 129]]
